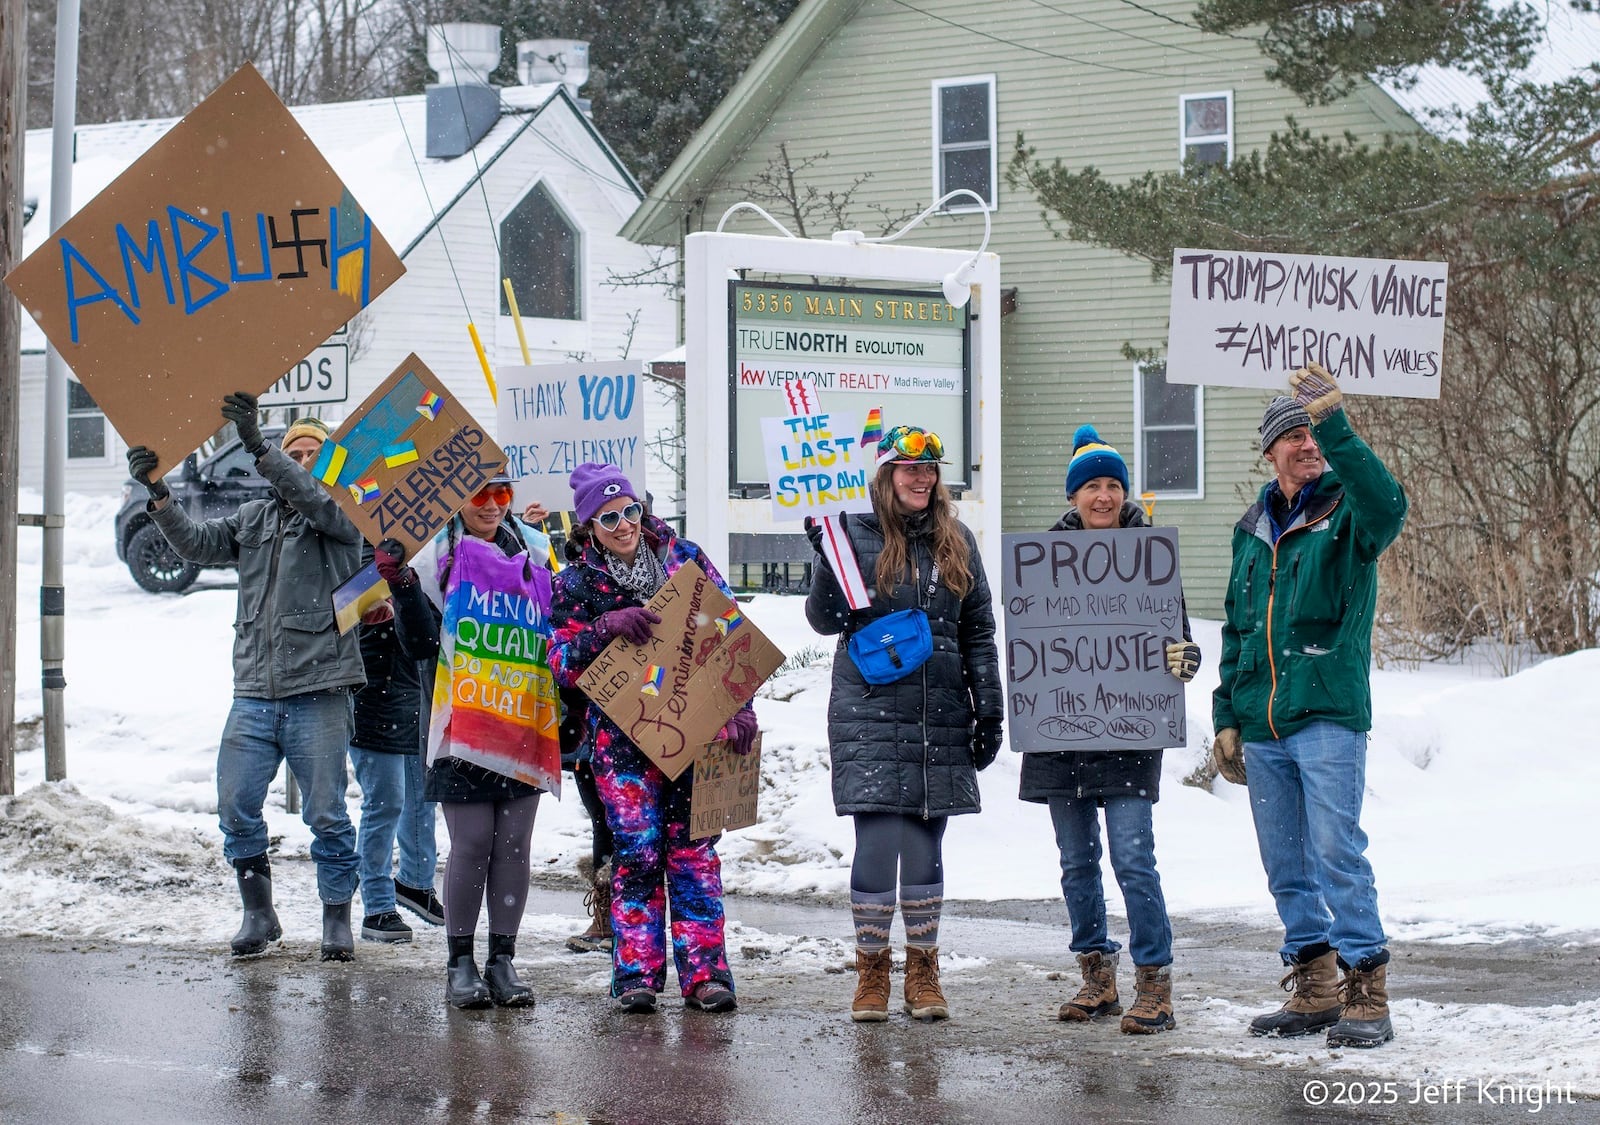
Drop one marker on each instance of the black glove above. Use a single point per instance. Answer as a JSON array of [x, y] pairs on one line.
[[814, 534], [986, 742], [141, 463], [389, 557], [240, 409]]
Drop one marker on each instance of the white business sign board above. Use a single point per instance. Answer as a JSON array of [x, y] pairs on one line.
[[322, 377], [552, 418], [1248, 320]]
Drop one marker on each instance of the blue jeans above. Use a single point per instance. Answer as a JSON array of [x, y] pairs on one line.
[[1305, 794], [392, 809], [1133, 859], [311, 732]]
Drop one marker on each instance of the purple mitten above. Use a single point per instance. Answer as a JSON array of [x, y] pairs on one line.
[[741, 731], [631, 624]]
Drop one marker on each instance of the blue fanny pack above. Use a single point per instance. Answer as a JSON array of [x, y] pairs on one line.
[[893, 646]]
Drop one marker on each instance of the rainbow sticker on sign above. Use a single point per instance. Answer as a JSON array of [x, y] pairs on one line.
[[729, 621], [365, 490], [400, 453], [330, 463], [430, 406], [654, 676]]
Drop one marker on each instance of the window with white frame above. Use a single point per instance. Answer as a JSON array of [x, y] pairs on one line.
[[1205, 128], [964, 139], [86, 425], [541, 251], [1169, 421]]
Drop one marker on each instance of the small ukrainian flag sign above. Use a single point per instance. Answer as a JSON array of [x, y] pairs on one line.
[[330, 463], [365, 490], [729, 621], [430, 406], [654, 676], [400, 453]]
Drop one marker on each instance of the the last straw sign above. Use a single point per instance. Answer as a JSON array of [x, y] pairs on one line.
[[1089, 615]]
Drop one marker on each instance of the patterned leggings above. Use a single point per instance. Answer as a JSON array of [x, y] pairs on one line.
[[654, 857]]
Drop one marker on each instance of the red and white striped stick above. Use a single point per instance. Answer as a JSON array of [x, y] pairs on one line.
[[842, 557]]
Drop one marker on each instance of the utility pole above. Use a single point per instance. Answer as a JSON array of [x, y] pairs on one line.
[[52, 589], [13, 115]]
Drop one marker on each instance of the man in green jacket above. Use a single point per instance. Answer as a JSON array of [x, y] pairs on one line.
[[293, 673], [1294, 703]]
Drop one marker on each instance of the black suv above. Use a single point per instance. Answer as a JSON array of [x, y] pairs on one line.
[[206, 489]]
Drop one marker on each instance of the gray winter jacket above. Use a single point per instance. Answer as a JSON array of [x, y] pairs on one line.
[[291, 552], [906, 747]]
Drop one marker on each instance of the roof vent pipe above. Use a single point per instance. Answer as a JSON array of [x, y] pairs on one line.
[[554, 60], [462, 107]]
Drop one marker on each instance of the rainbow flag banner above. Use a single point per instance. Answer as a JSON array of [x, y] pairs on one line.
[[400, 453], [365, 490], [430, 406], [494, 699], [728, 622], [654, 676], [330, 462], [873, 434]]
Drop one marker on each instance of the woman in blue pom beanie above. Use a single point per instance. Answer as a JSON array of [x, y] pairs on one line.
[[1125, 783]]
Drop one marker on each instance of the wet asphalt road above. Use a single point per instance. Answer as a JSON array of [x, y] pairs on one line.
[[97, 1032]]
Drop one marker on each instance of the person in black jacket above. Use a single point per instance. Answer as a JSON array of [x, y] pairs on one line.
[[386, 752], [1125, 783], [906, 755]]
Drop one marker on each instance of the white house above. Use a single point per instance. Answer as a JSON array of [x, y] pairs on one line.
[[533, 192]]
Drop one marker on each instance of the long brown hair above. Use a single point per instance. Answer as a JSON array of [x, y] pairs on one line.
[[949, 543]]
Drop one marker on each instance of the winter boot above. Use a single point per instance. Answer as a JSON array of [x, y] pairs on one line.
[[464, 987], [1152, 1009], [597, 903], [505, 989], [1098, 996], [1313, 1002], [871, 1004], [338, 943], [421, 901], [260, 925], [1365, 1019], [711, 996], [924, 998]]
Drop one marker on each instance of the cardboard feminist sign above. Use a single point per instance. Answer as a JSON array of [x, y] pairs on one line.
[[727, 787], [1089, 615], [408, 459], [672, 694], [215, 263]]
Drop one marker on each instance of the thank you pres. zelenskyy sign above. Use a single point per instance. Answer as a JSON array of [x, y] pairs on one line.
[[1249, 319], [1089, 615]]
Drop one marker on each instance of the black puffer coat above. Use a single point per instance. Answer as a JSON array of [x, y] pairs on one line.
[[389, 708], [1096, 773], [906, 747]]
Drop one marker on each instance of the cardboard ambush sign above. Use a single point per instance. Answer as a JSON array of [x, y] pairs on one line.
[[1248, 320], [552, 418], [1089, 615], [215, 263], [672, 694], [407, 459], [726, 790]]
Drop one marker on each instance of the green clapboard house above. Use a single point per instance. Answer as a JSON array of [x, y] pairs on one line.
[[923, 96]]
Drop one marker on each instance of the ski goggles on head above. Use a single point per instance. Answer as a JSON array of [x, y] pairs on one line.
[[910, 444], [499, 493], [610, 521]]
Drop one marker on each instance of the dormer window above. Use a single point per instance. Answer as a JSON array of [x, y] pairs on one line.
[[541, 251]]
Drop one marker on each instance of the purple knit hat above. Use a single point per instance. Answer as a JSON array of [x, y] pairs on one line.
[[594, 485]]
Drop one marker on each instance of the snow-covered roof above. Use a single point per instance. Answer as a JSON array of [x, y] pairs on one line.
[[1570, 43], [375, 146]]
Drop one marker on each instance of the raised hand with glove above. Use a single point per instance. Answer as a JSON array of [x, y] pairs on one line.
[[986, 743], [389, 557], [141, 463], [1183, 659], [631, 624], [1315, 388], [814, 534], [741, 731], [240, 409], [1227, 752]]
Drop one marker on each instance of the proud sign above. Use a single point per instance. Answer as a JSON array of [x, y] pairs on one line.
[[1248, 320], [1088, 617]]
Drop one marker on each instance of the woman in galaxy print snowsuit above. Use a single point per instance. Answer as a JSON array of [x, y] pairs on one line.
[[628, 556]]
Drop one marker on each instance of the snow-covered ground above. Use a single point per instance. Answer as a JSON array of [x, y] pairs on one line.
[[1478, 801]]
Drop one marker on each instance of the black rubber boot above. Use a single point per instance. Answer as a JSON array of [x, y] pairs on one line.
[[260, 927], [338, 943], [501, 975], [463, 986]]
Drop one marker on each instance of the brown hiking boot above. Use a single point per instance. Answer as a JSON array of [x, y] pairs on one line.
[[1365, 1019], [924, 998], [1313, 1002], [1152, 1011], [1098, 996], [871, 1004], [597, 904]]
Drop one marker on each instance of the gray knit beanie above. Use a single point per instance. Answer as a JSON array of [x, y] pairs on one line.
[[1283, 414]]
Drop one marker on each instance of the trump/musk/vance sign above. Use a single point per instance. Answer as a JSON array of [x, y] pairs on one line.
[[1248, 320], [1088, 617], [905, 351]]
